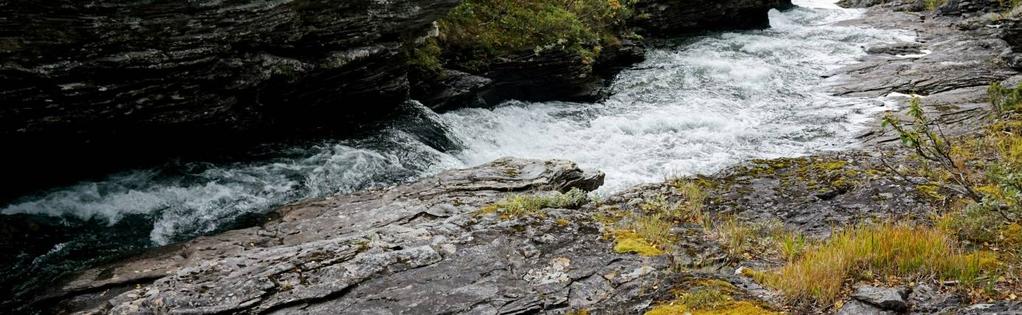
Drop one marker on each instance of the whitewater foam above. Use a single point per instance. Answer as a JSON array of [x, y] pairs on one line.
[[693, 107]]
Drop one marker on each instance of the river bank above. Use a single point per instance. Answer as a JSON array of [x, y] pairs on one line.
[[457, 234]]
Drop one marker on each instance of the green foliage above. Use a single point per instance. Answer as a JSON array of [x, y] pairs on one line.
[[524, 205], [1005, 99], [478, 32], [426, 56], [932, 5], [934, 150]]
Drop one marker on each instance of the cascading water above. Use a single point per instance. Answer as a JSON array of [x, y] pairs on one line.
[[694, 106]]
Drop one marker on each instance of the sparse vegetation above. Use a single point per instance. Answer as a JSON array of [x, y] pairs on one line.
[[985, 168], [932, 5], [647, 232], [526, 205], [876, 251], [478, 32], [708, 297]]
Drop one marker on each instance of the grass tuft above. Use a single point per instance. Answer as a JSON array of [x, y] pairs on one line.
[[708, 297], [881, 250], [526, 205]]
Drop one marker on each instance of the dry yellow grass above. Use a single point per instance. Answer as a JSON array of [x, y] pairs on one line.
[[881, 250], [709, 297]]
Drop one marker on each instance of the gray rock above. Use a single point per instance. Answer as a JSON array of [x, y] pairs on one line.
[[897, 49], [420, 248], [855, 307], [926, 299], [996, 308], [886, 298]]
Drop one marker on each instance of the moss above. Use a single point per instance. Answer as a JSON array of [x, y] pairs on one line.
[[628, 242], [929, 191], [426, 56], [709, 296], [932, 5], [581, 311]]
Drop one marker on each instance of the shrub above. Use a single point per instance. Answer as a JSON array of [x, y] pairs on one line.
[[1004, 99]]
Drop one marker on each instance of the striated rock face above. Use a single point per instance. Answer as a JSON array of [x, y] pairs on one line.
[[671, 17], [419, 248], [105, 75]]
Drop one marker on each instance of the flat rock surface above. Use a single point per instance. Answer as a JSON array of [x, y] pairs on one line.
[[419, 248]]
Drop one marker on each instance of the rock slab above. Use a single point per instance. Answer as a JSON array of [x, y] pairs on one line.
[[420, 248]]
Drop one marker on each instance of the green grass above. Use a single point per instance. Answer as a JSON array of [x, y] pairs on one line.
[[526, 205]]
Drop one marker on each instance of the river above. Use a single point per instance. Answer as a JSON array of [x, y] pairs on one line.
[[695, 106]]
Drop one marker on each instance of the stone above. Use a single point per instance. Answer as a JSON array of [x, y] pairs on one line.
[[927, 299], [892, 299], [855, 307]]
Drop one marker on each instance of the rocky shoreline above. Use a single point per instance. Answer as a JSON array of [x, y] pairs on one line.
[[451, 243]]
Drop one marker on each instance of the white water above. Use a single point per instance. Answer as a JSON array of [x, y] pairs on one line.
[[691, 108]]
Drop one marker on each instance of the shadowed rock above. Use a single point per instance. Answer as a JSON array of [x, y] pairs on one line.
[[120, 80]]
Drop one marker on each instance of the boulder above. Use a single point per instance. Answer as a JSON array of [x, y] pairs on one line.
[[855, 307], [892, 299]]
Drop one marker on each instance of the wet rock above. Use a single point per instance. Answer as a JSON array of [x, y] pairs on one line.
[[897, 49], [109, 79], [957, 59], [892, 299], [421, 247], [449, 89], [668, 18], [855, 307]]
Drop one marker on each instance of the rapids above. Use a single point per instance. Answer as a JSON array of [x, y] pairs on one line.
[[695, 106]]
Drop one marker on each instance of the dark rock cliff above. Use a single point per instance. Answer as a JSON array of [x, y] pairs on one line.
[[672, 17], [133, 77]]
